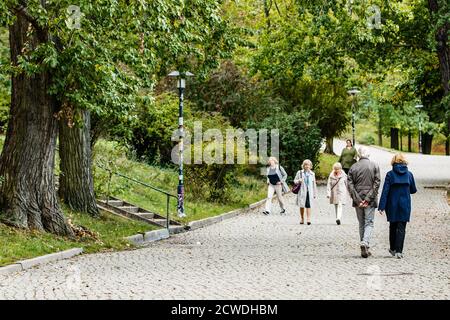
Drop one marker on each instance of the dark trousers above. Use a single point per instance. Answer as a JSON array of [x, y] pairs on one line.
[[397, 231]]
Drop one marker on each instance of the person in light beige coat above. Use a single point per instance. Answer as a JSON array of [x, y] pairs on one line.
[[337, 190]]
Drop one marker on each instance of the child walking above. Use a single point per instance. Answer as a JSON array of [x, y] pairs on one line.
[[337, 190]]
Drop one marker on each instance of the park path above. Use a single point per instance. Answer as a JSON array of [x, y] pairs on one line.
[[268, 257]]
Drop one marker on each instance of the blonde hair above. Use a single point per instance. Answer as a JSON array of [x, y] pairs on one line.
[[337, 165], [307, 161], [272, 159], [399, 158]]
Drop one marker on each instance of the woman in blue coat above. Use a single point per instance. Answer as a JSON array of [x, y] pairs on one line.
[[396, 202]]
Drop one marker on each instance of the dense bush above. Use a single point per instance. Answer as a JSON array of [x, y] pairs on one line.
[[155, 121], [367, 138], [299, 139]]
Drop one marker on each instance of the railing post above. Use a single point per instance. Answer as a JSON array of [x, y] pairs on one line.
[[109, 183], [167, 212]]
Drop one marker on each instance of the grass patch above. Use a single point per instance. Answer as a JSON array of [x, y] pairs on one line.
[[19, 244], [326, 162]]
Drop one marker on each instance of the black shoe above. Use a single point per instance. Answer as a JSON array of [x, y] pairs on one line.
[[309, 223], [266, 212], [338, 222], [283, 211], [364, 251]]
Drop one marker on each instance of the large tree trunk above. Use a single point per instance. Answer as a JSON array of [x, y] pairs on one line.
[[329, 146], [427, 143], [394, 138], [447, 145], [27, 194], [380, 132], [443, 51], [409, 140], [76, 184]]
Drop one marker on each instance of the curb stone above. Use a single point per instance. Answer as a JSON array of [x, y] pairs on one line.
[[12, 268], [151, 236], [213, 220], [29, 263]]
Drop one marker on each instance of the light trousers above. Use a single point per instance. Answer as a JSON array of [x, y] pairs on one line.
[[365, 219], [338, 210], [278, 189]]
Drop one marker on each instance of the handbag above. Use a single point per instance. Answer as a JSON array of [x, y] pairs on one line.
[[296, 188]]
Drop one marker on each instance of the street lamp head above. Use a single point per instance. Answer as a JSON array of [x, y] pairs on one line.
[[181, 78], [353, 92]]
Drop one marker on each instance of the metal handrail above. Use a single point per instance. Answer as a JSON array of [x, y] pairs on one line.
[[168, 195]]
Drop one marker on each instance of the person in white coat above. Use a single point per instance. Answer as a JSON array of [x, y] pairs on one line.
[[337, 190], [276, 181], [308, 190]]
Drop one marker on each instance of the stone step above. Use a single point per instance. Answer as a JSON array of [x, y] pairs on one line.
[[146, 215], [129, 209], [115, 203], [161, 222]]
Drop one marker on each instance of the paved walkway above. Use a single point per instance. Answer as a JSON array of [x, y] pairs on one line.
[[267, 257]]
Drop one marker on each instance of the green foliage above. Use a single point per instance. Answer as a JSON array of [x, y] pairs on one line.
[[232, 92], [325, 166], [154, 124], [367, 139], [300, 139]]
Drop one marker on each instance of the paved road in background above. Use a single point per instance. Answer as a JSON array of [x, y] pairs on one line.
[[268, 257]]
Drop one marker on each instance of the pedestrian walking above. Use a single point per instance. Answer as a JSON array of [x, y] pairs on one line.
[[337, 190], [348, 156], [276, 181], [363, 184], [395, 200], [308, 190]]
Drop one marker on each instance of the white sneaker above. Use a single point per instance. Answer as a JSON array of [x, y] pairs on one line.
[[399, 255]]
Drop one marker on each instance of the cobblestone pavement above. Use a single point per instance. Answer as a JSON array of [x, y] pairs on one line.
[[266, 257]]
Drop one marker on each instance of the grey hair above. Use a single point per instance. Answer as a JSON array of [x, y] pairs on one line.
[[364, 152]]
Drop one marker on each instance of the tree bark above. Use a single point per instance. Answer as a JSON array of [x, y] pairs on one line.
[[394, 138], [409, 141], [329, 146], [28, 197], [443, 52], [427, 142], [380, 132], [76, 184]]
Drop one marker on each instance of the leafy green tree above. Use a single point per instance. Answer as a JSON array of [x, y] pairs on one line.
[[97, 68]]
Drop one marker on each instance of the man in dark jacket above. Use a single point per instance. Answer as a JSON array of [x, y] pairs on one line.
[[363, 185], [396, 202]]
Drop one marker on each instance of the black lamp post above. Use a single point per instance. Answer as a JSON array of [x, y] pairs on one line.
[[181, 84], [419, 107], [353, 92]]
